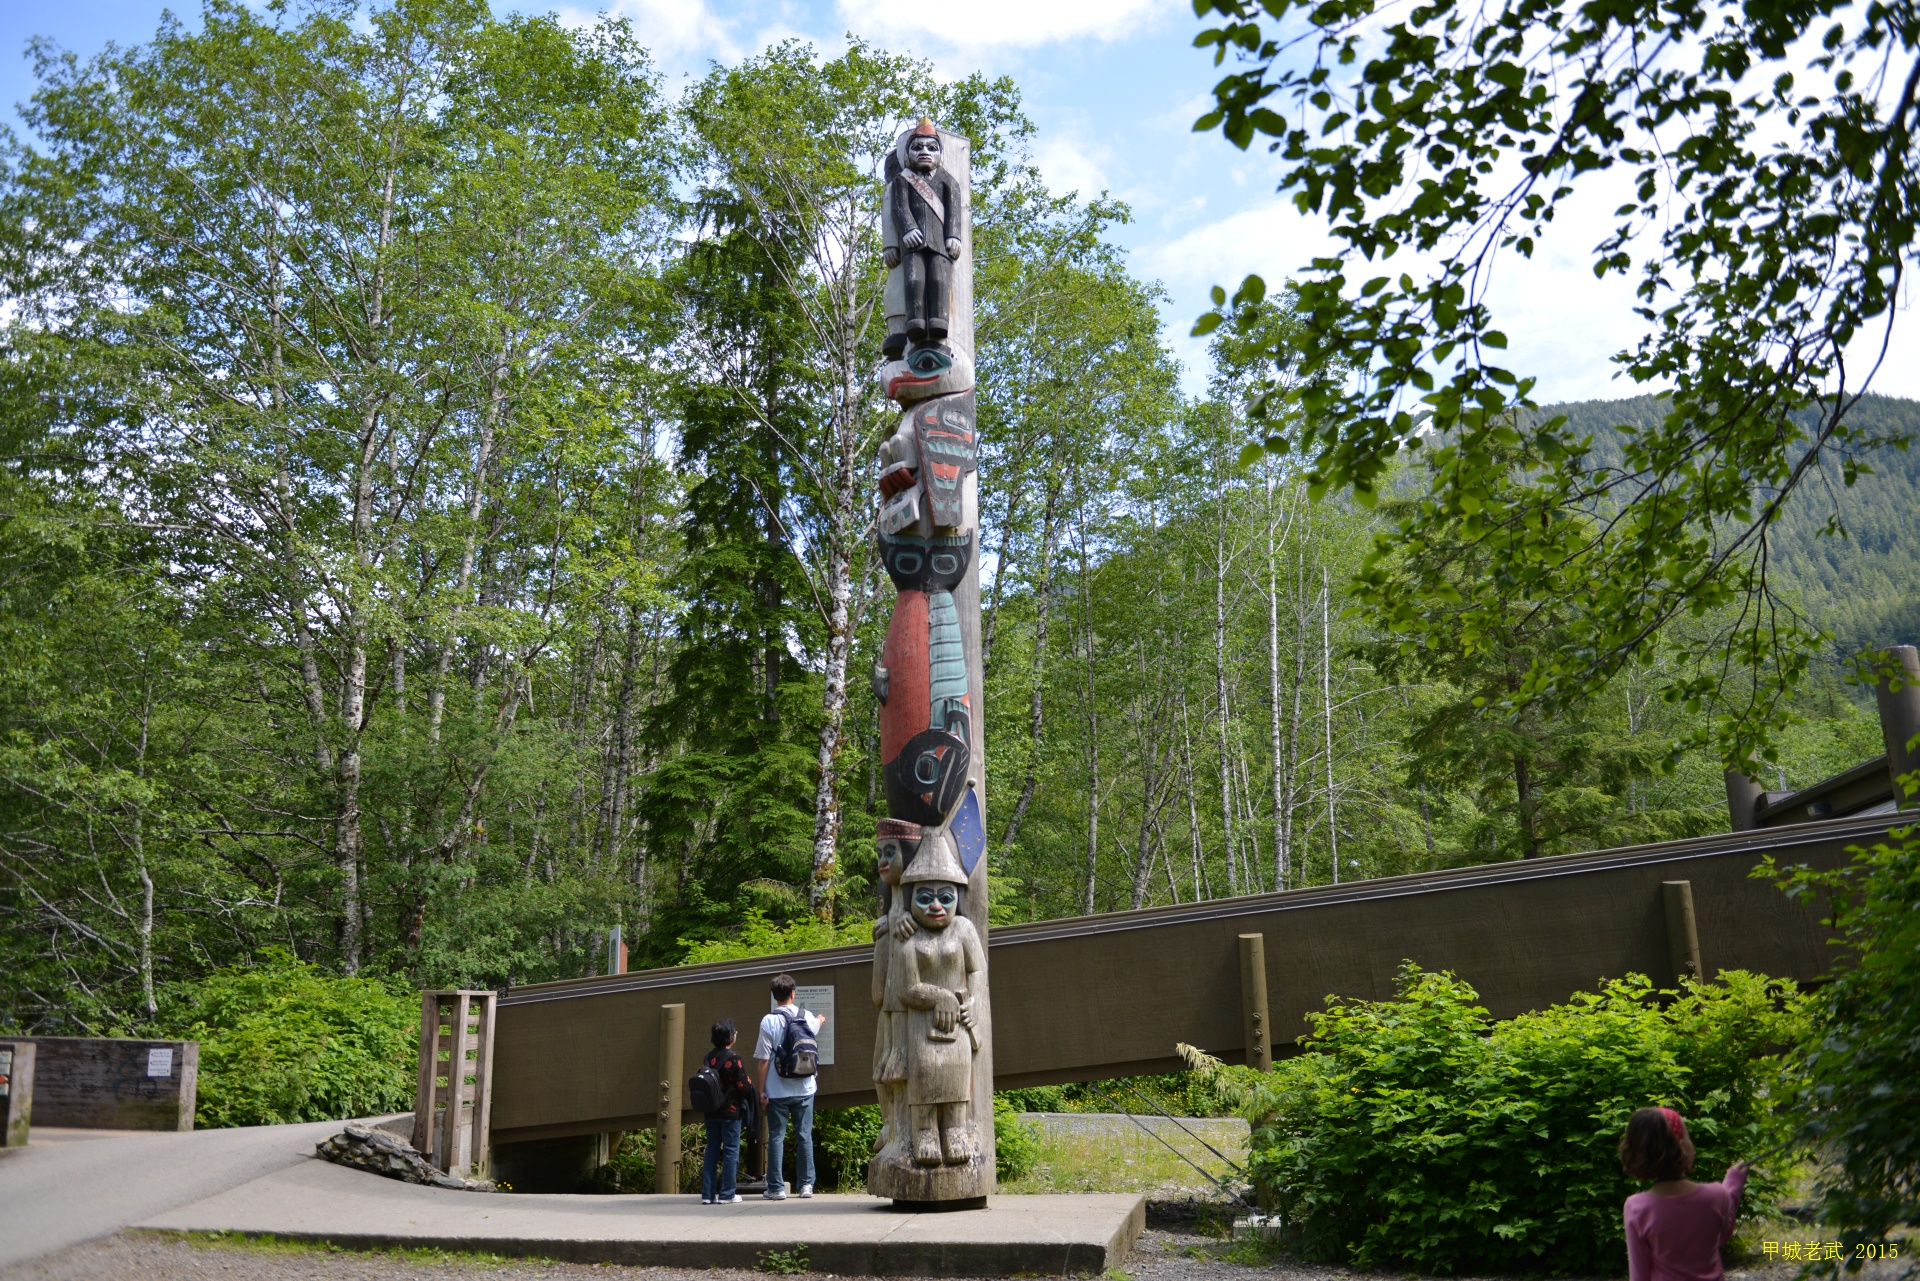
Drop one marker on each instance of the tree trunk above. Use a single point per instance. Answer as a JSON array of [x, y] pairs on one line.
[[1280, 850], [1326, 699], [1193, 800], [1529, 829], [826, 797], [1144, 848], [1220, 693], [147, 1001], [1036, 698], [1093, 729]]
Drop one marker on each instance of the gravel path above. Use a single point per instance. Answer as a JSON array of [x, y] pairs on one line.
[[1160, 1256]]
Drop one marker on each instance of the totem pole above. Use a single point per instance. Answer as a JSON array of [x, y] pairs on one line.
[[933, 1053]]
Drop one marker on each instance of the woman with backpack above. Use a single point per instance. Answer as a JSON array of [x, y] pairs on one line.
[[720, 1090]]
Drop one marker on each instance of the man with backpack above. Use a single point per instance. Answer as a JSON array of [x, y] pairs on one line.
[[787, 1044], [721, 1090]]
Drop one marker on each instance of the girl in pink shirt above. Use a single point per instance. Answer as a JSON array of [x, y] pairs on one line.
[[1675, 1229]]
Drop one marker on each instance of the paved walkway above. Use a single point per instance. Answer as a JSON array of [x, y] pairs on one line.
[[849, 1235], [69, 1186], [74, 1187]]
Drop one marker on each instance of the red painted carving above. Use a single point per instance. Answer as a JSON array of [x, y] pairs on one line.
[[909, 684]]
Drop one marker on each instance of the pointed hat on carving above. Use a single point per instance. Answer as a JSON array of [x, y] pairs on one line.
[[925, 129], [935, 862]]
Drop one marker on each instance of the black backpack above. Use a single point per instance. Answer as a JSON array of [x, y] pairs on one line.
[[799, 1052], [704, 1092]]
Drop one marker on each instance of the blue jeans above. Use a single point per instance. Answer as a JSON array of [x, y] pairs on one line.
[[720, 1171], [778, 1110]]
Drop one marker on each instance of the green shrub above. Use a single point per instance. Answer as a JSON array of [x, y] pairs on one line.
[[1420, 1132], [1862, 1093], [842, 1146], [282, 1041], [632, 1165], [1175, 1093], [843, 1141], [1039, 1098], [1016, 1145], [759, 936]]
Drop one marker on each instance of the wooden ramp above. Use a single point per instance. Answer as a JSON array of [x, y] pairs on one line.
[[1103, 996]]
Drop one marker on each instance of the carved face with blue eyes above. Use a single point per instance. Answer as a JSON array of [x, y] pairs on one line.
[[935, 904], [893, 860]]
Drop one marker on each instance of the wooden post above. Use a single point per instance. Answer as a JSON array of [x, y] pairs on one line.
[[453, 1095], [453, 1134], [1744, 795], [1683, 934], [16, 1092], [673, 1053], [425, 1090], [1899, 665], [1256, 1027], [479, 1121]]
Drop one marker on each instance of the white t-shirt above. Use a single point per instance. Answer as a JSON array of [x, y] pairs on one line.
[[773, 1030]]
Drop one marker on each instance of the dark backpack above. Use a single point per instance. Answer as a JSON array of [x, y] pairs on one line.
[[704, 1091], [799, 1052]]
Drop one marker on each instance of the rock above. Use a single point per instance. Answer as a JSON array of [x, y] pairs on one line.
[[378, 1152]]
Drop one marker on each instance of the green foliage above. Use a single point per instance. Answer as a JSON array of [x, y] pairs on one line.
[[1461, 131], [1419, 1132], [843, 1140], [631, 1168], [281, 1041], [784, 1263], [1016, 1145], [1862, 1090], [758, 936]]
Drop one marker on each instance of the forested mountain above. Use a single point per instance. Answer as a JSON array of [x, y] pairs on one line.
[[1863, 583], [438, 493]]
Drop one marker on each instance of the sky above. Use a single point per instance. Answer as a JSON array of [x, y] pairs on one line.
[[1113, 88]]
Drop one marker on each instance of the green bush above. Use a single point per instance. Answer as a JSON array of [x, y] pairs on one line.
[[1016, 1145], [632, 1166], [1175, 1093], [1862, 1093], [843, 1144], [282, 1041], [1420, 1132], [759, 936], [843, 1141]]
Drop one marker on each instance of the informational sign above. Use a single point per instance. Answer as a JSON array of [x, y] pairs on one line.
[[160, 1062], [818, 1000], [6, 1073]]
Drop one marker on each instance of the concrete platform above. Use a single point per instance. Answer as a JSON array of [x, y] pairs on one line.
[[850, 1235]]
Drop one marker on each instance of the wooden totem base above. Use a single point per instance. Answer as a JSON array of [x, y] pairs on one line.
[[929, 1187]]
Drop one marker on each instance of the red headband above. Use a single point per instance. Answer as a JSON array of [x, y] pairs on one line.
[[1675, 1125]]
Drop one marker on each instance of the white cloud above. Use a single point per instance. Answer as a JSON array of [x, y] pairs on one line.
[[1020, 23], [1069, 160]]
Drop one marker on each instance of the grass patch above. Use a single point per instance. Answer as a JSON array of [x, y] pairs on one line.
[[1127, 1161], [275, 1246]]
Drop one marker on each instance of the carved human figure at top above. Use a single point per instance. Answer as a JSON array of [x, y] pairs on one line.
[[923, 202]]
